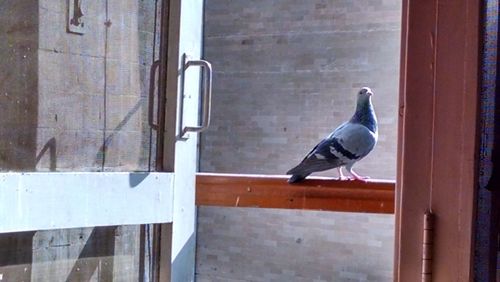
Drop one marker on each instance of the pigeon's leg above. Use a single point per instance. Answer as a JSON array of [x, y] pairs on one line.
[[341, 175]]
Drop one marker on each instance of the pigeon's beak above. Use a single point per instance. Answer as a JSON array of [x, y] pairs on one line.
[[369, 93]]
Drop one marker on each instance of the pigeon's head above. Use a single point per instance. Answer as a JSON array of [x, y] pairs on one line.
[[364, 94], [365, 91], [365, 113]]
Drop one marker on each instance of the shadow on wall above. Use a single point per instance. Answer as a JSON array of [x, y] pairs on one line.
[[18, 85], [80, 254], [16, 256], [96, 255], [24, 256]]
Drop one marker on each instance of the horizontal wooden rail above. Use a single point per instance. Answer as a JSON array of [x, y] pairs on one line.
[[317, 193]]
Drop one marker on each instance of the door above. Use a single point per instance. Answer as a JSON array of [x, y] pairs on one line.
[[89, 138], [78, 146], [183, 86]]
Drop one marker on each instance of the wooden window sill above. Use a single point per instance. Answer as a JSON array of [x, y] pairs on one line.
[[315, 193]]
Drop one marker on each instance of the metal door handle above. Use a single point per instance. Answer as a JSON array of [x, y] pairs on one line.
[[151, 102], [207, 95]]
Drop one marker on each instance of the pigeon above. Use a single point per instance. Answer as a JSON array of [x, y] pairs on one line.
[[347, 144]]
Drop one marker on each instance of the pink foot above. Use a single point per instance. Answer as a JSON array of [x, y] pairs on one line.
[[358, 177]]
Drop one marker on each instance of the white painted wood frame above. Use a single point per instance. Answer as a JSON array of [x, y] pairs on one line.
[[53, 200]]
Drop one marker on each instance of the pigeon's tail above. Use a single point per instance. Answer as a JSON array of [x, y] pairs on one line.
[[310, 165], [296, 178], [298, 174]]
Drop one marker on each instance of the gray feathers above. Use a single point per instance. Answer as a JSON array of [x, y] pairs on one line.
[[346, 145]]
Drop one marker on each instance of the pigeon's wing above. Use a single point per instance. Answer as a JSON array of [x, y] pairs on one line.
[[320, 158], [353, 142], [322, 148], [347, 144]]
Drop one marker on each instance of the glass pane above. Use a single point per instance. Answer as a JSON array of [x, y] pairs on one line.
[[75, 85], [74, 88]]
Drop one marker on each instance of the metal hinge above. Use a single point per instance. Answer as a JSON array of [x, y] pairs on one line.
[[76, 16], [427, 243]]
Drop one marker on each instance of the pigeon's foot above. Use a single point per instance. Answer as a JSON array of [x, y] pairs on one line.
[[358, 177], [362, 179]]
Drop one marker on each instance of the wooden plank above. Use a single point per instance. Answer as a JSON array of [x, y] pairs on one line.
[[437, 137], [233, 190], [46, 201], [415, 135], [454, 143], [401, 112]]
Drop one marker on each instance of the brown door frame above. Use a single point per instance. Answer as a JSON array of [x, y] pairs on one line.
[[437, 137]]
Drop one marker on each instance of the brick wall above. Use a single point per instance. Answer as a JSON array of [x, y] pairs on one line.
[[286, 74], [241, 244]]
